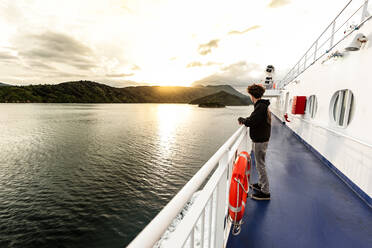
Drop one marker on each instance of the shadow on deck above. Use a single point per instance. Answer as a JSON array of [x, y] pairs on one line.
[[309, 207]]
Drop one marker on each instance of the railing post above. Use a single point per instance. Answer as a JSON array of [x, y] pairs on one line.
[[202, 218], [364, 12], [245, 140], [316, 50], [333, 34], [220, 206]]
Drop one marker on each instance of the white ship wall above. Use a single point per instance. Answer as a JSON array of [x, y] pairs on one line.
[[348, 149]]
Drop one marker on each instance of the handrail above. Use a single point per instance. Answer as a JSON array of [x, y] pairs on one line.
[[218, 184], [292, 74], [325, 30], [155, 229], [347, 35], [178, 238]]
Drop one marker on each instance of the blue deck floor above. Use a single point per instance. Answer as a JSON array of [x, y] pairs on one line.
[[309, 207]]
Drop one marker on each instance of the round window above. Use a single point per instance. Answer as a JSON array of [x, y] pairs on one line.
[[342, 107], [311, 106]]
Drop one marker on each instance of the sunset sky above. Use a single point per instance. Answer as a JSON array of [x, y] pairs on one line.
[[156, 42]]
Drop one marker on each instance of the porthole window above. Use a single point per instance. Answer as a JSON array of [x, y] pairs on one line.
[[341, 108], [311, 106]]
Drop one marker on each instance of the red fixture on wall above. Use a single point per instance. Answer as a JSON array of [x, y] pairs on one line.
[[286, 117], [298, 105]]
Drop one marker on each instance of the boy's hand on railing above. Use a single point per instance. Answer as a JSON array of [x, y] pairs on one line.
[[241, 120]]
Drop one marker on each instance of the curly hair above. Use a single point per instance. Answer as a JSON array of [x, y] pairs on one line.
[[256, 90]]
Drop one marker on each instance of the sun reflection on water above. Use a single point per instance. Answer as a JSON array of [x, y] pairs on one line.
[[170, 118]]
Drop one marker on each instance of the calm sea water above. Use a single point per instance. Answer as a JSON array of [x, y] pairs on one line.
[[93, 175]]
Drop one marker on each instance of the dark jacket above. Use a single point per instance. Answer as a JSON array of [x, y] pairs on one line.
[[259, 122]]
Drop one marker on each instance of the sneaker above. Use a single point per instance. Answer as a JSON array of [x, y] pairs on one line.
[[261, 196], [255, 186]]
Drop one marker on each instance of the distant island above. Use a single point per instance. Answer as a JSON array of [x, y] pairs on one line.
[[211, 105], [2, 84], [93, 92]]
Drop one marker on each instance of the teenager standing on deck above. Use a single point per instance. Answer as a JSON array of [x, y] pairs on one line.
[[259, 123]]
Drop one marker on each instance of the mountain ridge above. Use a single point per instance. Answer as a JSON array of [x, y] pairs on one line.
[[93, 92]]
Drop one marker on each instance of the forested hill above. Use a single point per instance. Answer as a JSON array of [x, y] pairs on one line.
[[92, 92], [1, 84], [223, 98]]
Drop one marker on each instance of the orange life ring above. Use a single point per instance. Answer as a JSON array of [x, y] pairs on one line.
[[239, 186]]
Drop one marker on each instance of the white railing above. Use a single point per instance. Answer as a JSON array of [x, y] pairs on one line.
[[211, 203], [351, 17]]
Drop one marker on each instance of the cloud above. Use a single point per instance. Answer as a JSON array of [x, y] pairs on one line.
[[194, 64], [204, 49], [61, 42], [237, 74], [120, 75], [10, 12], [51, 47], [244, 31], [5, 56], [278, 3], [239, 66], [39, 65], [199, 64], [67, 74], [82, 65], [136, 68]]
